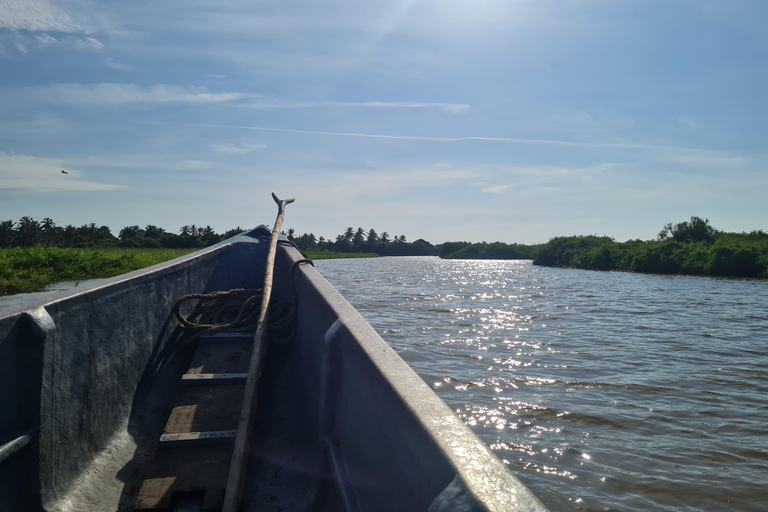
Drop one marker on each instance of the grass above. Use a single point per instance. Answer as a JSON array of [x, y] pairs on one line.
[[328, 255], [32, 269]]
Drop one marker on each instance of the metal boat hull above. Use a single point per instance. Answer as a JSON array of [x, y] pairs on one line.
[[87, 380]]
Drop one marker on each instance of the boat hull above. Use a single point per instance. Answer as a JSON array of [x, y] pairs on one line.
[[343, 424]]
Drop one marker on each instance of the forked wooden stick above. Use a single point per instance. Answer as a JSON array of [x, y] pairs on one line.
[[238, 467]]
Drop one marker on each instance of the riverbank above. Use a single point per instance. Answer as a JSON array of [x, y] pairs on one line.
[[689, 248], [729, 255], [26, 270]]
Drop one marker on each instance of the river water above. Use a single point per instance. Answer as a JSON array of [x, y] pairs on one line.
[[599, 390]]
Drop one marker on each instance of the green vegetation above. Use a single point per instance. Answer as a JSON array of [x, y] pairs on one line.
[[362, 241], [34, 254], [32, 269], [31, 233], [693, 247], [689, 247], [486, 251], [330, 255]]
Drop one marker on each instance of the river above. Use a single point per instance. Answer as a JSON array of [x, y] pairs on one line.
[[600, 390]]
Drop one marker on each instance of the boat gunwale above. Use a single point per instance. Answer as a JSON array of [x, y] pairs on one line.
[[479, 470]]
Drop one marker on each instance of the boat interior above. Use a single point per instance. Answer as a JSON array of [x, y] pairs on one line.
[[109, 406]]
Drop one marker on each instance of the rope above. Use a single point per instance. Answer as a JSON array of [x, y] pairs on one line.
[[288, 243], [236, 311]]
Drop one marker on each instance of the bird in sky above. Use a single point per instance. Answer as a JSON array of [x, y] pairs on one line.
[[64, 172]]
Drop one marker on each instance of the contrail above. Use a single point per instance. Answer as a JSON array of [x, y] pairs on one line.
[[508, 140]]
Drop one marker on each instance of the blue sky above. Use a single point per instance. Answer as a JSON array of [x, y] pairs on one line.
[[445, 120]]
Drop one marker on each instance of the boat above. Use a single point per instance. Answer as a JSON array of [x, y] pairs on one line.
[[96, 414]]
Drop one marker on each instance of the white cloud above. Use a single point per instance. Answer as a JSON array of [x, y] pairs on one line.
[[232, 149], [46, 16], [44, 40], [44, 23], [449, 107], [22, 172], [105, 94], [110, 63], [322, 188], [24, 42], [719, 160], [495, 189], [168, 163], [88, 43]]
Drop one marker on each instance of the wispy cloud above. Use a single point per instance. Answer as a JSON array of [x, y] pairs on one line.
[[495, 189], [41, 24], [168, 162], [233, 149], [325, 188], [23, 42], [718, 160], [116, 94], [45, 16], [110, 63], [22, 172], [449, 107]]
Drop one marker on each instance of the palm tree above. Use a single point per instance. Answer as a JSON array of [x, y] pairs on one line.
[[359, 238], [152, 231], [104, 233], [6, 233], [130, 232], [28, 232]]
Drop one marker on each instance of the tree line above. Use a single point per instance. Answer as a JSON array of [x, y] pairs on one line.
[[28, 232], [688, 247], [692, 247], [360, 240]]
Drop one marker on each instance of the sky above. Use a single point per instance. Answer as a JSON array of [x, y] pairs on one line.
[[482, 120]]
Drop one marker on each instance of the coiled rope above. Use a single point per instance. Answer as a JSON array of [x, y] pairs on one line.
[[236, 311]]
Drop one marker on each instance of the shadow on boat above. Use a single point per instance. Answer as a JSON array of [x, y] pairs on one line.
[[288, 467]]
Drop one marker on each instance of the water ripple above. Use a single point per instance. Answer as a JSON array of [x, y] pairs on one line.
[[600, 390]]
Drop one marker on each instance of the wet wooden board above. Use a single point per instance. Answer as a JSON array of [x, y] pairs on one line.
[[206, 408], [197, 438], [224, 355], [208, 379], [196, 454], [187, 470]]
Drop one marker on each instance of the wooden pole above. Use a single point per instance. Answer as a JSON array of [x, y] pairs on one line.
[[237, 468]]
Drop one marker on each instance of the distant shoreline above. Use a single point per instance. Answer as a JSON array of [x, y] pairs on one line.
[[332, 255]]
